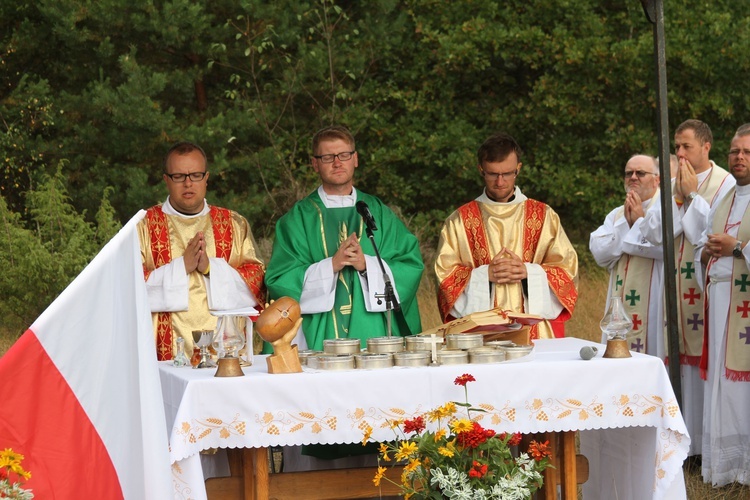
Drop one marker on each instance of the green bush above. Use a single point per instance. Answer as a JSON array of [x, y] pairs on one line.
[[44, 252]]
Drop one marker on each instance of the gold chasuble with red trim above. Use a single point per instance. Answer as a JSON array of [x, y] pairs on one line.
[[477, 231], [227, 236]]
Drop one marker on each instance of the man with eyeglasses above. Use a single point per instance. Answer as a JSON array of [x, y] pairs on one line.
[[635, 264], [504, 250], [197, 257], [722, 259], [323, 259], [698, 185]]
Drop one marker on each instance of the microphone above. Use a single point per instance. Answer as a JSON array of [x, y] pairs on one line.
[[588, 352], [364, 211]]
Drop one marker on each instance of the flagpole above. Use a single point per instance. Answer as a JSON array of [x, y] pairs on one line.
[[654, 10]]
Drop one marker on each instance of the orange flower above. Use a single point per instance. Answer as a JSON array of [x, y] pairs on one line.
[[539, 451], [384, 452], [379, 476], [367, 435]]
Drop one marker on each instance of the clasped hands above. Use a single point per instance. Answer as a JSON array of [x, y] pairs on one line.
[[349, 254], [686, 181], [719, 245], [506, 267], [195, 257], [633, 207]]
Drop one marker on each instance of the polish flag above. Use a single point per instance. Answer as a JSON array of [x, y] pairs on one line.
[[80, 395]]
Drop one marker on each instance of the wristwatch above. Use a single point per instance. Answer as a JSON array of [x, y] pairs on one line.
[[692, 195], [737, 252]]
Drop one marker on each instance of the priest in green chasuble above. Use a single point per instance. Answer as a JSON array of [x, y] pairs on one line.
[[323, 258], [504, 250]]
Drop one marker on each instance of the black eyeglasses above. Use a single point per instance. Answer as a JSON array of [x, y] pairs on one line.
[[194, 176], [346, 155], [638, 173], [505, 175]]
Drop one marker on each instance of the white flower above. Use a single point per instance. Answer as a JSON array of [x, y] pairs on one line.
[[14, 491]]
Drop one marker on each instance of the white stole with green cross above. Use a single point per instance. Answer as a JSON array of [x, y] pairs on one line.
[[632, 282], [689, 294], [737, 332]]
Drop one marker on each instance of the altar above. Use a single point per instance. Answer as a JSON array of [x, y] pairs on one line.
[[632, 431]]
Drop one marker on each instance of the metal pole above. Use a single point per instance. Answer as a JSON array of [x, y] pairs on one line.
[[654, 10]]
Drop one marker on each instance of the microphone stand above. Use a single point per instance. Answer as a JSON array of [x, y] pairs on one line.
[[389, 295]]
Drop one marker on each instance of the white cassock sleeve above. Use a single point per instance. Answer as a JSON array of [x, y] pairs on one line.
[[651, 225], [541, 301], [375, 284], [479, 294], [695, 219], [635, 243], [226, 289], [319, 288], [606, 242], [167, 287]]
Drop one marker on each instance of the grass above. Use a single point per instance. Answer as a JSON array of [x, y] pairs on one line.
[[592, 289]]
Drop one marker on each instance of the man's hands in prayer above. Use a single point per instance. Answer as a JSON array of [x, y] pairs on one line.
[[633, 207], [349, 254], [719, 245], [195, 257], [506, 267], [686, 181]]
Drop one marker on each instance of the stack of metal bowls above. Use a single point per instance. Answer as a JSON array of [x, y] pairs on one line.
[[516, 351], [332, 362], [412, 358], [385, 344], [487, 354], [372, 360]]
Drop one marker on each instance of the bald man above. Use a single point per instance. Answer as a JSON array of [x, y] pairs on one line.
[[635, 265]]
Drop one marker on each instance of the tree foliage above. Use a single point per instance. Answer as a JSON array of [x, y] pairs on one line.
[[107, 86], [42, 256]]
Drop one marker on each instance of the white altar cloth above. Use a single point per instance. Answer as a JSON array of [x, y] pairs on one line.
[[554, 391]]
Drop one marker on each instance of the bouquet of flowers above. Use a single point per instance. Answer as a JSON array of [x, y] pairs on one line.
[[461, 459], [12, 475]]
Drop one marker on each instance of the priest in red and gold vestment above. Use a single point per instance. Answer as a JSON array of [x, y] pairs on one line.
[[506, 250], [197, 258]]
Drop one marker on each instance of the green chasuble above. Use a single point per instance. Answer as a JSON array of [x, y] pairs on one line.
[[310, 232]]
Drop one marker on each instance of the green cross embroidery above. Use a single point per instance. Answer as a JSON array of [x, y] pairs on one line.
[[688, 270], [618, 282], [743, 283], [633, 298]]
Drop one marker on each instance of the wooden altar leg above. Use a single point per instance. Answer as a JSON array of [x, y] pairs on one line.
[[256, 474], [562, 446], [568, 473], [549, 490]]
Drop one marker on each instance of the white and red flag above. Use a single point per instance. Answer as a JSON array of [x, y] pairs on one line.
[[80, 395]]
